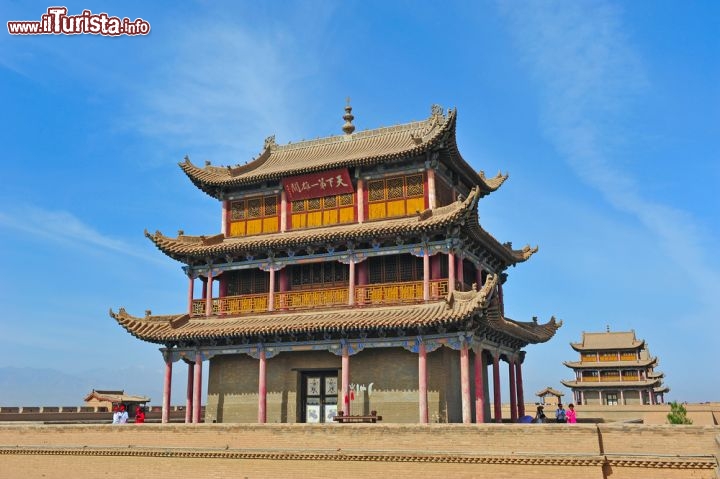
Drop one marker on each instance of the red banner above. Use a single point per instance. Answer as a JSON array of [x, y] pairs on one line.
[[316, 185]]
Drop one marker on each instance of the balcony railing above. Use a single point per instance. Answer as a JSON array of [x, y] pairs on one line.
[[385, 293]]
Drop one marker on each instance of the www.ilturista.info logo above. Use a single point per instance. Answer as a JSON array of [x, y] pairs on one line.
[[57, 22]]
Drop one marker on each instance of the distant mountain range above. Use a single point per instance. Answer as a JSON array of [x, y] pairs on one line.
[[51, 387]]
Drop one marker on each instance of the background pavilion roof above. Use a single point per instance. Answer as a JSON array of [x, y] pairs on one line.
[[608, 340], [549, 391], [185, 246], [612, 384], [646, 362], [115, 396], [364, 148], [457, 308]]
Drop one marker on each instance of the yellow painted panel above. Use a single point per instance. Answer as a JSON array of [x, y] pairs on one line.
[[330, 217], [298, 221], [254, 227], [376, 210], [314, 219], [237, 228], [347, 215], [270, 225], [415, 204], [396, 208]]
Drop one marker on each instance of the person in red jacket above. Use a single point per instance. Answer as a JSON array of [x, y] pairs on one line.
[[139, 415]]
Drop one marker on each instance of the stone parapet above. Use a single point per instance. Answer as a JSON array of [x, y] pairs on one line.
[[303, 450]]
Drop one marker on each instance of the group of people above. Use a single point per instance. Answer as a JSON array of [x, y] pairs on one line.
[[561, 415], [120, 415]]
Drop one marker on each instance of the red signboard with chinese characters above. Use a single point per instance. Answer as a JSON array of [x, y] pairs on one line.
[[316, 185]]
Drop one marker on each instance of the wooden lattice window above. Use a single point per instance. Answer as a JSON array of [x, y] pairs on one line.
[[608, 356], [298, 206], [346, 200], [270, 205], [394, 269], [396, 196], [395, 188], [253, 208], [414, 185], [330, 201], [329, 210], [589, 357], [250, 281], [313, 204], [258, 214], [318, 275], [237, 210], [376, 190]]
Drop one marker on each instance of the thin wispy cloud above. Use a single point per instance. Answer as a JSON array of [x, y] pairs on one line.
[[64, 228], [223, 88], [590, 79]]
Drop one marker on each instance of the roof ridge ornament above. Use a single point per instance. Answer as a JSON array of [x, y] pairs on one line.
[[348, 127], [270, 143]]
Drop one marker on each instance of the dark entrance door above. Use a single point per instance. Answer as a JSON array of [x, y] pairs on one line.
[[318, 396]]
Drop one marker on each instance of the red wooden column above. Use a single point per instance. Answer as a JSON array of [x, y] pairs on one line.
[[351, 287], [422, 383], [262, 388], [465, 382], [478, 277], [479, 371], [224, 223], [432, 196], [189, 396], [362, 280], [426, 275], [496, 386], [513, 391], [284, 282], [167, 384], [451, 271], [345, 382], [518, 378], [360, 200], [208, 295], [283, 211], [459, 270], [271, 292], [197, 388], [191, 292]]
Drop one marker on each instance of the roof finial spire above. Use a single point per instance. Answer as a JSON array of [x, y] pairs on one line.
[[348, 127]]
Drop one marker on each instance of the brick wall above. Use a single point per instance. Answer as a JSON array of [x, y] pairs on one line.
[[301, 450], [233, 384]]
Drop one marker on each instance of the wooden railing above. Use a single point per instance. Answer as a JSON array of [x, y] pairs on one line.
[[385, 293], [311, 298]]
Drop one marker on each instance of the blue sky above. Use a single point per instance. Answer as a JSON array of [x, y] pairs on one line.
[[606, 116]]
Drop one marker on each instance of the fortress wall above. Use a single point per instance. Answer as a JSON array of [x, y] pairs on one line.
[[301, 450]]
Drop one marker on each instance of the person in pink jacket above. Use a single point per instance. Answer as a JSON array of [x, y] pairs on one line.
[[571, 415]]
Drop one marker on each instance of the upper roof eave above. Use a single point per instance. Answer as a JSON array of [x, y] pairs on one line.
[[364, 148]]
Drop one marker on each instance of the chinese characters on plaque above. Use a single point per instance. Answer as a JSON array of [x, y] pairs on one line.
[[317, 185]]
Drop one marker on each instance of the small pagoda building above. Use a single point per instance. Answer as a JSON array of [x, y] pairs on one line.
[[350, 275], [109, 398], [550, 397], [615, 368]]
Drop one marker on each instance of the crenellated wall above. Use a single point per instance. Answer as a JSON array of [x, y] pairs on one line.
[[515, 451]]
